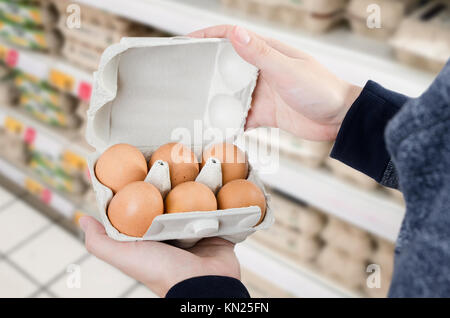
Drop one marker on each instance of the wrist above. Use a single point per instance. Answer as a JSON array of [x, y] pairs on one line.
[[350, 94]]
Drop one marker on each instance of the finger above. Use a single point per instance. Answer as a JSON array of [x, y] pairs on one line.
[[251, 47], [217, 31], [286, 49], [214, 241], [96, 240], [226, 31]]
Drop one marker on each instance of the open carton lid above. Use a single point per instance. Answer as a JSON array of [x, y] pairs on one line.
[[148, 90], [151, 91]]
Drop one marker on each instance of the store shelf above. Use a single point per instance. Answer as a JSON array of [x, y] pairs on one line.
[[51, 141], [368, 210], [286, 274], [350, 56], [52, 69], [25, 179]]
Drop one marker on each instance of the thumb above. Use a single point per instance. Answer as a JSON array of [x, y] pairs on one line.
[[256, 51], [96, 240]]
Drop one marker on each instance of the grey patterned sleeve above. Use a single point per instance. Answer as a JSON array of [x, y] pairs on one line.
[[390, 178]]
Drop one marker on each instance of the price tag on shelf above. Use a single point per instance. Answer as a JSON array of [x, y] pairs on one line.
[[84, 91], [33, 186], [77, 215], [13, 125], [61, 80], [3, 53], [12, 57], [46, 196], [74, 161], [30, 135]]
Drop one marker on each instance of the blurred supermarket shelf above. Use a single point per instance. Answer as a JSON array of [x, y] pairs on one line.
[[24, 178], [368, 210], [52, 141], [286, 274], [54, 70], [350, 56]]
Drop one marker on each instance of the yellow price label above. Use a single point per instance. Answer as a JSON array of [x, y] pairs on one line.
[[77, 216], [33, 186], [3, 52], [74, 161], [13, 125], [62, 80]]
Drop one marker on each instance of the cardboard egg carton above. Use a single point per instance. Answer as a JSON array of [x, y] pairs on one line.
[[81, 54], [13, 148], [185, 87], [351, 175], [392, 12], [98, 28], [41, 92], [30, 38], [32, 13], [423, 39], [348, 238], [290, 243], [342, 268], [300, 217], [312, 15], [258, 287]]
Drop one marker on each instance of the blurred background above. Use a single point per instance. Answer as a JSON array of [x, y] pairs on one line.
[[331, 221]]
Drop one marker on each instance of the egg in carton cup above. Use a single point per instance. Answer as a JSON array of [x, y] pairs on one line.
[[147, 88]]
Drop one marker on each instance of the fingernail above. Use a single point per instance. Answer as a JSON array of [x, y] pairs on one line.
[[83, 223], [242, 35]]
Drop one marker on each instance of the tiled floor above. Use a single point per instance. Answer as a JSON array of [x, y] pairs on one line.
[[39, 258]]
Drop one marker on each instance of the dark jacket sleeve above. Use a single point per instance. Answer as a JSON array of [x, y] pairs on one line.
[[360, 142], [209, 287]]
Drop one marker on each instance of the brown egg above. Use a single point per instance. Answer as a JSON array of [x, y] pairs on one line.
[[234, 161], [132, 210], [190, 196], [119, 165], [183, 164], [241, 193]]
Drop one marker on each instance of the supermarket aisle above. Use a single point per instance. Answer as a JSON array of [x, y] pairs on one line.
[[39, 258]]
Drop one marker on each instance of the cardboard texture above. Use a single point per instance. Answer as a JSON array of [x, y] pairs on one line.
[[423, 38], [145, 90]]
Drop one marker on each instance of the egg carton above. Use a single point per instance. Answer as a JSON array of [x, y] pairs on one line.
[[259, 287], [292, 244], [146, 91], [392, 13], [81, 54], [423, 39], [98, 28], [312, 15], [31, 14], [30, 38]]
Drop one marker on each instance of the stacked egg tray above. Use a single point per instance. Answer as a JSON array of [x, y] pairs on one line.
[[312, 15], [42, 101], [65, 172], [423, 38], [328, 246], [83, 46], [417, 30], [316, 155], [59, 173], [392, 12], [29, 25], [259, 287]]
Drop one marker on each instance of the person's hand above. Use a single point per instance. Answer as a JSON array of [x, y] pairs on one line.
[[294, 92], [159, 265]]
